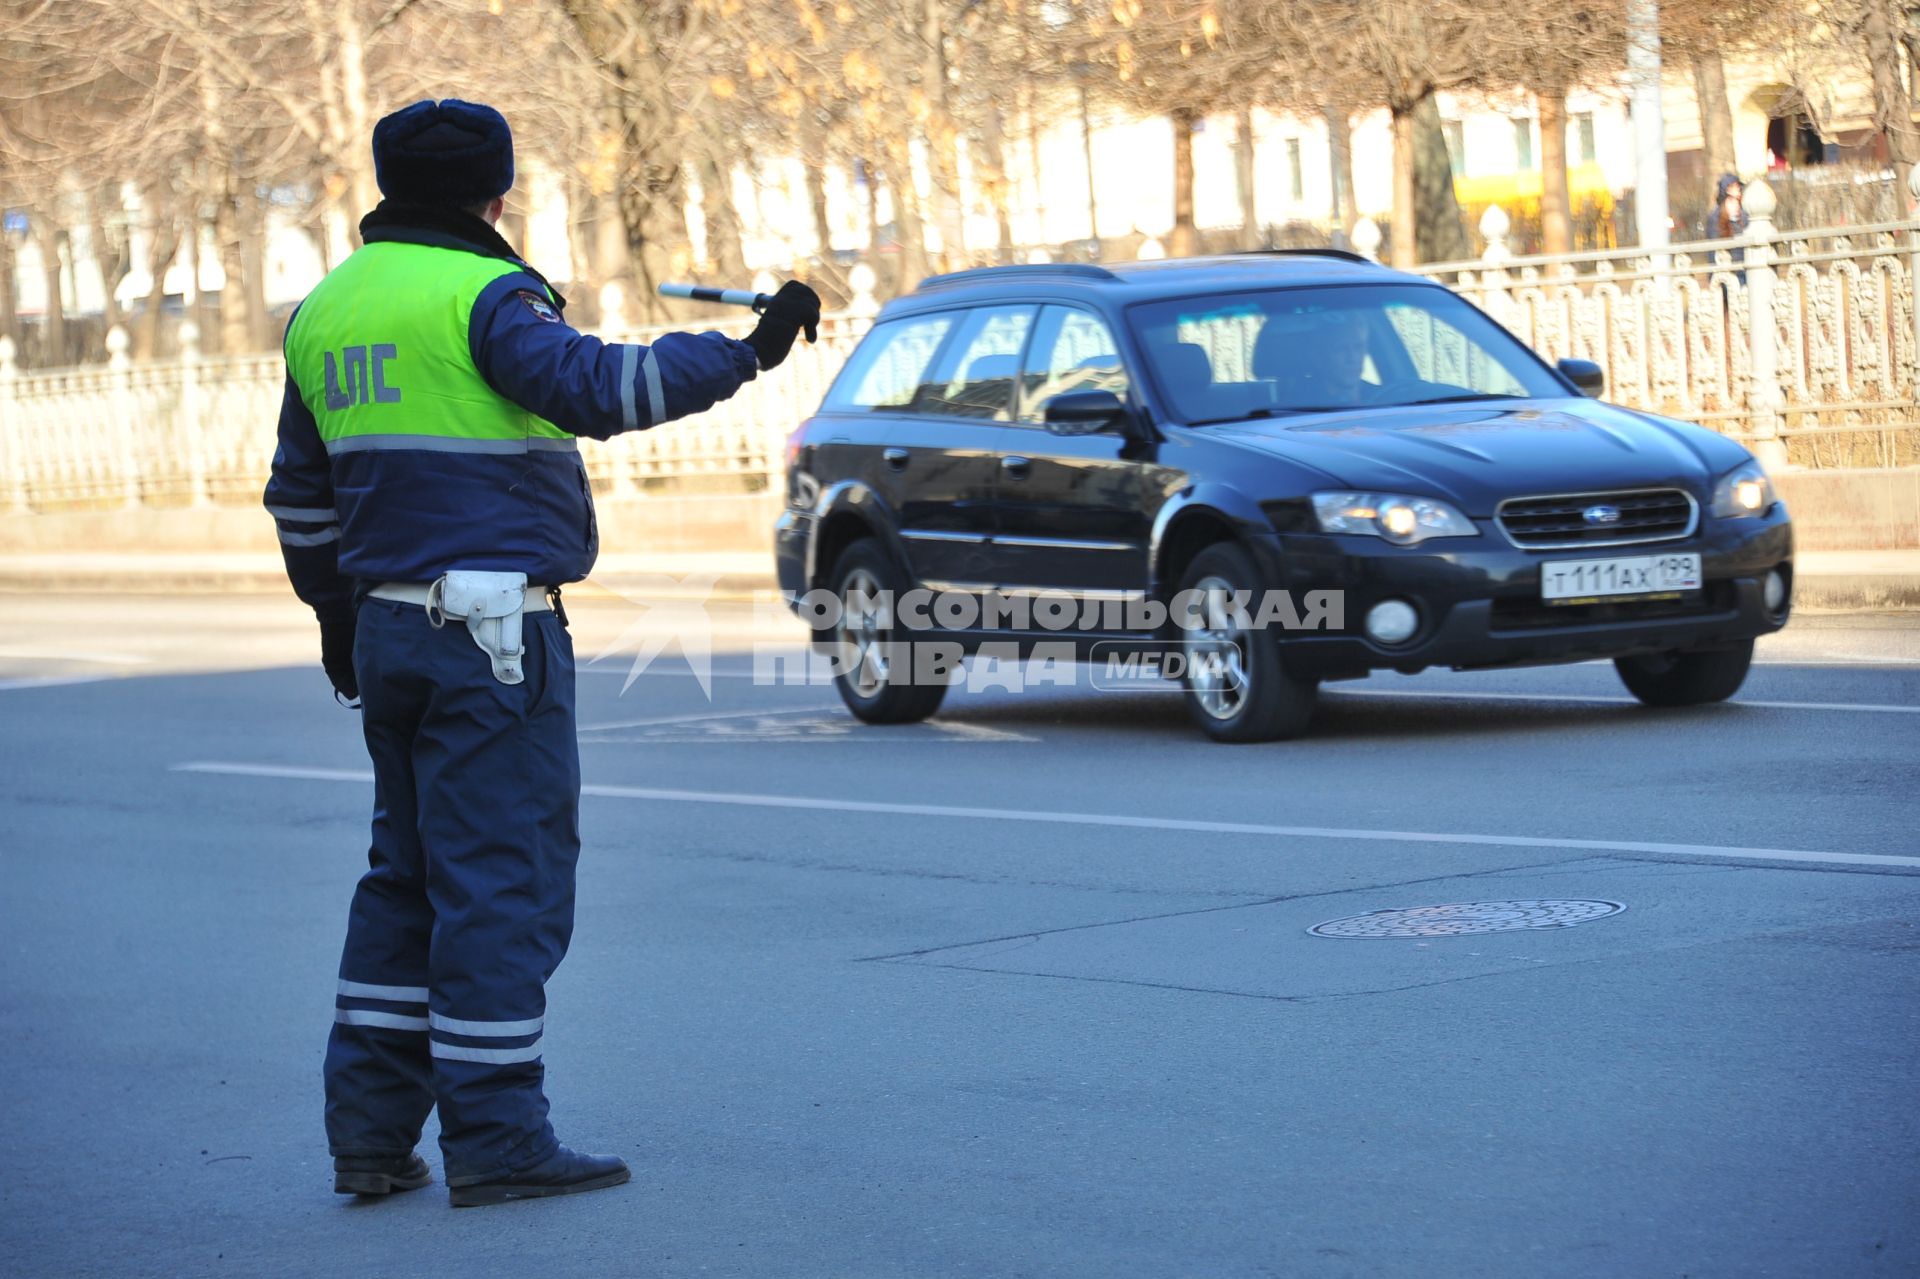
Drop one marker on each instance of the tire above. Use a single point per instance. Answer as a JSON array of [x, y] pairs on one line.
[[1686, 679], [872, 686], [1236, 688]]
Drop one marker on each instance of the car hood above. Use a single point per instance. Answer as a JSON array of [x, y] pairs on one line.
[[1477, 454]]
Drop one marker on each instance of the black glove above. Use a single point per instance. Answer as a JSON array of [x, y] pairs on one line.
[[336, 655], [794, 307]]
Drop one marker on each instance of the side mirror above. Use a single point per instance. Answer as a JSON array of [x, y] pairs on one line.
[[1585, 374], [1084, 412]]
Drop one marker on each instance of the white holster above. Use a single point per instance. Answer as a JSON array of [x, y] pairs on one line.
[[491, 605]]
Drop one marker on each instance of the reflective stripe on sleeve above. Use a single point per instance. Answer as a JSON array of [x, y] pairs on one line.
[[369, 1017], [656, 398], [320, 538], [393, 994], [488, 1056], [305, 514], [487, 1029], [438, 444], [629, 393]]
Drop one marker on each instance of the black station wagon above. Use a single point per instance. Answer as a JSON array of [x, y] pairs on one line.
[[1423, 489]]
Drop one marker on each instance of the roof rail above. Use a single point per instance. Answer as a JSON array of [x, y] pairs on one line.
[[1345, 255], [1082, 270]]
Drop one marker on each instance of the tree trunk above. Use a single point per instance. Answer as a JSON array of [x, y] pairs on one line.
[[723, 221], [236, 324], [1243, 174], [9, 305], [1340, 148], [166, 244], [649, 207], [999, 185], [112, 257], [1716, 114], [816, 179], [357, 159], [1405, 216], [1892, 112], [1556, 200], [1186, 235], [261, 333], [1440, 234], [909, 225], [942, 138], [53, 338], [1086, 150]]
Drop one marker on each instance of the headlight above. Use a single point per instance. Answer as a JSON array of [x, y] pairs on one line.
[[1742, 491], [1401, 520]]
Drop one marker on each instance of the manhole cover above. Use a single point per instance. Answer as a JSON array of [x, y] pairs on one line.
[[1466, 917]]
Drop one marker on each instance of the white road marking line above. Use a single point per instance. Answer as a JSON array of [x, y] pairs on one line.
[[50, 681], [977, 732], [64, 655], [842, 729], [701, 717], [782, 681], [1121, 821], [1817, 660], [1615, 701], [1597, 699]]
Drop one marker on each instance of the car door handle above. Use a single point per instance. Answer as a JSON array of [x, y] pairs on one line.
[[1016, 466], [896, 458]]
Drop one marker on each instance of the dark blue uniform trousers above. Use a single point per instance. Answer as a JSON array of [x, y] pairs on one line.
[[467, 905]]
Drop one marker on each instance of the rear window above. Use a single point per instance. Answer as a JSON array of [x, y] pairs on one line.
[[887, 368]]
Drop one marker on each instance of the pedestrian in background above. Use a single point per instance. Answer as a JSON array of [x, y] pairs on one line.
[[1729, 220], [431, 501], [1729, 210]]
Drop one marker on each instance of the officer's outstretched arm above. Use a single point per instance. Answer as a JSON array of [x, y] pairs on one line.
[[585, 386]]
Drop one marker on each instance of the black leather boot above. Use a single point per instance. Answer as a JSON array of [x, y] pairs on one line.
[[561, 1173], [379, 1174]]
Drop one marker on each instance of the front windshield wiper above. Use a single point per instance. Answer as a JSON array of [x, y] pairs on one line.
[[1454, 399], [1249, 415]]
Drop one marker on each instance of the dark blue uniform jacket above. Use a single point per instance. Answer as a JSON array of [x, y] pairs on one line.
[[399, 515]]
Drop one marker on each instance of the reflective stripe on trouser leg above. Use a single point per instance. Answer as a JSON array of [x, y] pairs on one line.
[[379, 1073], [498, 774]]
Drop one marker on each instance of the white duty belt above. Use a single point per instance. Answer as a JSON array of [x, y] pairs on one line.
[[491, 605]]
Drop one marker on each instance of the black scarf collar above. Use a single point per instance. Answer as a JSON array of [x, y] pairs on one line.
[[446, 227]]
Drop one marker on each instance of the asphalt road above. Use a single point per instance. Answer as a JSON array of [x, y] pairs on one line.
[[1027, 990]]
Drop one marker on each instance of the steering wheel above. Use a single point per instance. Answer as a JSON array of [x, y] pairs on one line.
[[1397, 390]]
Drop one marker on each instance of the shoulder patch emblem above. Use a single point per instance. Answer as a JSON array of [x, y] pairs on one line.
[[539, 306]]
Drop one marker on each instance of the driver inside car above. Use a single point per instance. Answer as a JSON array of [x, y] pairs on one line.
[[1315, 360]]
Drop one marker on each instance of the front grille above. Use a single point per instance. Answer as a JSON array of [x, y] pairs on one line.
[[1645, 515], [1533, 614]]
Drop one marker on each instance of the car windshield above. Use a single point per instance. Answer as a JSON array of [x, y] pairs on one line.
[[1228, 357]]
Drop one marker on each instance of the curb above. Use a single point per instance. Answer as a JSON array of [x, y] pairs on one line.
[[1857, 592], [213, 581]]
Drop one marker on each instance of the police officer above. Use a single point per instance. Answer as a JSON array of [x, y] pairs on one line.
[[430, 501]]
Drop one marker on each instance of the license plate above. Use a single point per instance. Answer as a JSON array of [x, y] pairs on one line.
[[1572, 581]]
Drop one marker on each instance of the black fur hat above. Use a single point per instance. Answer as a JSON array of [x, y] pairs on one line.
[[447, 152]]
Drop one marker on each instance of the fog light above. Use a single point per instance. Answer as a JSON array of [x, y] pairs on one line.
[[1773, 589], [1392, 622]]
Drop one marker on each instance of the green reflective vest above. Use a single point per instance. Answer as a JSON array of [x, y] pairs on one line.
[[380, 351]]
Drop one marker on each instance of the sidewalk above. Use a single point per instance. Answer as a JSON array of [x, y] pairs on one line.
[[733, 574], [1825, 581]]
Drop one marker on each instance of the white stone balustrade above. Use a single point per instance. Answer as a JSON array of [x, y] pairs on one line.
[[1800, 343]]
